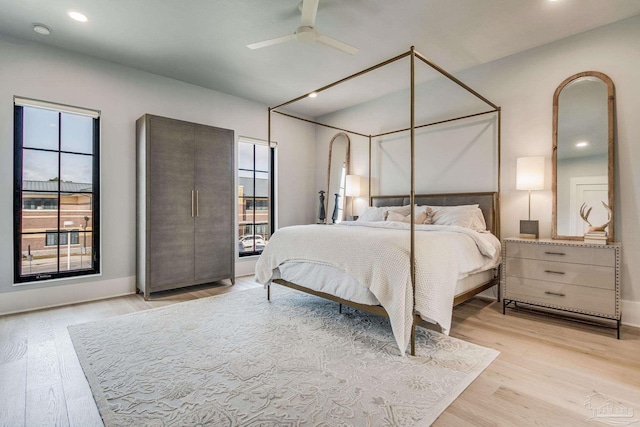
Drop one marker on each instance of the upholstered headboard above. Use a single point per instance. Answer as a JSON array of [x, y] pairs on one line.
[[487, 201]]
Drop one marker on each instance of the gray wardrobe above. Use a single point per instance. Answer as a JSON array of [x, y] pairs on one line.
[[185, 207]]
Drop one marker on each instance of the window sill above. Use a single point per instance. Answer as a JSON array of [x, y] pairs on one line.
[[58, 279], [248, 257]]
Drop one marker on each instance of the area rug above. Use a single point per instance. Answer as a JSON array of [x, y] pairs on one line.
[[239, 360]]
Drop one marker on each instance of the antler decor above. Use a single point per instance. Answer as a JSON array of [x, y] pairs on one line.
[[584, 214]]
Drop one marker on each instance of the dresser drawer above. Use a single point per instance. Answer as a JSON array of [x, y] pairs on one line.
[[605, 256], [561, 295], [594, 276]]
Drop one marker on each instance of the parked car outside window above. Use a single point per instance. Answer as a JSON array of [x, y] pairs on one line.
[[251, 241]]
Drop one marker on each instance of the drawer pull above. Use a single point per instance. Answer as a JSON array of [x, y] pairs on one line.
[[554, 272], [555, 253], [558, 294]]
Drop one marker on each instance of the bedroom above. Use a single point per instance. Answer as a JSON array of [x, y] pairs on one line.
[[522, 84]]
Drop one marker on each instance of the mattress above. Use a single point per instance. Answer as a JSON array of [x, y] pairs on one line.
[[331, 280]]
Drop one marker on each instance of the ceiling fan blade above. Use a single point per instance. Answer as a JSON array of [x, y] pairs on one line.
[[270, 42], [337, 44], [309, 10]]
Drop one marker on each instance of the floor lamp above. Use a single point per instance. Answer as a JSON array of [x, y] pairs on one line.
[[352, 189], [530, 176]]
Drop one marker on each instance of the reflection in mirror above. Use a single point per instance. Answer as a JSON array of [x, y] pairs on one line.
[[338, 169], [583, 154]]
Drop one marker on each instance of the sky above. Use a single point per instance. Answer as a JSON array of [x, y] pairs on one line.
[[41, 130]]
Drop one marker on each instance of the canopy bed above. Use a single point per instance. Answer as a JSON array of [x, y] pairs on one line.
[[356, 238]]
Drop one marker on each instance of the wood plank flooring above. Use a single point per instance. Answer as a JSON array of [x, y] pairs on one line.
[[546, 371]]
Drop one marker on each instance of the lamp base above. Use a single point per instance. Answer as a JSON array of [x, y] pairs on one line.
[[529, 229]]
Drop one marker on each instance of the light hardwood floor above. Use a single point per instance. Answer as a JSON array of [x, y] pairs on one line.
[[546, 371]]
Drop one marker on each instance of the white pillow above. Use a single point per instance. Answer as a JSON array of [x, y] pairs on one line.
[[420, 215], [373, 213], [404, 210], [469, 216]]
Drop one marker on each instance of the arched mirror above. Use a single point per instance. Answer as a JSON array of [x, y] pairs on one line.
[[583, 162], [336, 176]]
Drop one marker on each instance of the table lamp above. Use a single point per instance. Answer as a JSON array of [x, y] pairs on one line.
[[530, 176], [352, 189]]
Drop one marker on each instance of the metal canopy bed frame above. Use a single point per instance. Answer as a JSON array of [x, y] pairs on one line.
[[489, 201]]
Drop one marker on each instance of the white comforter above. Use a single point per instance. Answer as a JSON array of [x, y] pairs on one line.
[[377, 255]]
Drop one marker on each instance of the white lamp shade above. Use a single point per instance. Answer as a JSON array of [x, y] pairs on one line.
[[352, 186], [530, 173]]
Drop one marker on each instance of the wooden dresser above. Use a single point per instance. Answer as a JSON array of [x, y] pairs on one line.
[[563, 275]]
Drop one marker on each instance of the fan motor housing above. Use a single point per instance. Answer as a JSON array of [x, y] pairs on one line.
[[306, 34]]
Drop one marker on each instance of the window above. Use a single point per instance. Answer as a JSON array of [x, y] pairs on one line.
[[36, 203], [56, 191], [260, 204], [255, 195], [70, 236]]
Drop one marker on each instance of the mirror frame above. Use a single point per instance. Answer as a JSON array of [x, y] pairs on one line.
[[610, 151], [346, 162]]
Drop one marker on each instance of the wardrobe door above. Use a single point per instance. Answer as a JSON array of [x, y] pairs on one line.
[[214, 230], [170, 178]]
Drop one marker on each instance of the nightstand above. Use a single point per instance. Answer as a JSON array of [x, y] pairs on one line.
[[566, 276]]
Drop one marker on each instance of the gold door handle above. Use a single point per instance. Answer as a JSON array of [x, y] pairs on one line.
[[192, 203], [197, 203]]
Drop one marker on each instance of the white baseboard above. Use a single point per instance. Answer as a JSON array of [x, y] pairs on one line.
[[59, 295], [35, 299], [54, 296], [631, 313], [246, 266]]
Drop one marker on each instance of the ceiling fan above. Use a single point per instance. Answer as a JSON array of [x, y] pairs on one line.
[[307, 33]]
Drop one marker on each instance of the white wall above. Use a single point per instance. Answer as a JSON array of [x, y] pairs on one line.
[[124, 94], [451, 158], [523, 85]]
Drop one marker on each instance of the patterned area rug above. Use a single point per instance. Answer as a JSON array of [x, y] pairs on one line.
[[238, 360]]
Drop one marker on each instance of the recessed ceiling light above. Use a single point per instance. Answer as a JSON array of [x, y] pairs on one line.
[[582, 144], [313, 95], [78, 16], [41, 29]]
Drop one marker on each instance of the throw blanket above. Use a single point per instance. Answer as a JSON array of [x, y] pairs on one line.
[[377, 255]]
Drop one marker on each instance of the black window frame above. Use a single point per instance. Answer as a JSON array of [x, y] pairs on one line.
[[253, 198], [18, 132]]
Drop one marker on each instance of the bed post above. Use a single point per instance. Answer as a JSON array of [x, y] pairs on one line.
[[370, 199], [497, 203], [412, 200], [413, 336], [497, 209], [269, 145]]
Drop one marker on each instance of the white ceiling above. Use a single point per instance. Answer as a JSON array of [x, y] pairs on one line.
[[203, 41]]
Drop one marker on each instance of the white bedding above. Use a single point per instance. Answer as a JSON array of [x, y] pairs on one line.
[[377, 256]]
